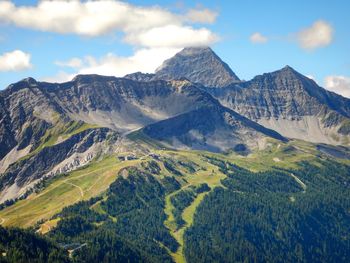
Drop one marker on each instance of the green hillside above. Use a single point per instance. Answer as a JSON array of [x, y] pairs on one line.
[[195, 206]]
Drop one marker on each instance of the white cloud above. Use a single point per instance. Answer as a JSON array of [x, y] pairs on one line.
[[142, 26], [319, 34], [145, 60], [172, 36], [154, 32], [72, 63], [60, 77], [98, 17], [202, 15], [338, 84], [258, 38], [90, 18], [15, 61]]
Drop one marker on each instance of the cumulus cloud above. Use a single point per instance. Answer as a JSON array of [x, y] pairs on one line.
[[338, 84], [155, 32], [319, 34], [144, 60], [172, 36], [98, 17], [258, 38], [90, 18], [15, 61], [60, 77]]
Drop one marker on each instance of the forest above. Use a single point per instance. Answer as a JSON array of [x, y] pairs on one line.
[[280, 215]]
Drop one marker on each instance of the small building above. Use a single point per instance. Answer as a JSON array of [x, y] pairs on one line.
[[154, 156], [127, 157]]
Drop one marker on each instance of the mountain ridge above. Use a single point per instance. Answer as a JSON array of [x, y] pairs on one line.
[[39, 116]]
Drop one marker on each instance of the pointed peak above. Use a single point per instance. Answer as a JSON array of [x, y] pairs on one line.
[[288, 68], [22, 84], [195, 50], [199, 65]]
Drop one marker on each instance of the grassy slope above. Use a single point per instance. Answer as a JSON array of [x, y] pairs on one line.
[[95, 178], [81, 184], [60, 132]]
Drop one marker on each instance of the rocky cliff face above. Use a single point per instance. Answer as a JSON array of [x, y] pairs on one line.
[[284, 100], [193, 101], [198, 64], [53, 128], [291, 104], [213, 128], [123, 104], [62, 157]]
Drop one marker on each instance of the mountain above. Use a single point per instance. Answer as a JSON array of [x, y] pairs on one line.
[[185, 165], [197, 64], [212, 128], [287, 203], [284, 100], [48, 129], [291, 104]]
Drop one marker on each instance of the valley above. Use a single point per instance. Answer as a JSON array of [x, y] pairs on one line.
[[189, 164], [190, 170]]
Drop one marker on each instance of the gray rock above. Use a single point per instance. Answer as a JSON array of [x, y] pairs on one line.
[[197, 64]]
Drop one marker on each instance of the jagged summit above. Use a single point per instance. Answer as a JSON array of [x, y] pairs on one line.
[[292, 104], [199, 65], [287, 67]]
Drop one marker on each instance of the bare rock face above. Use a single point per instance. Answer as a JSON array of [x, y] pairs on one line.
[[213, 128], [139, 76], [197, 64], [40, 138], [284, 100], [25, 114], [66, 156], [193, 101], [291, 104]]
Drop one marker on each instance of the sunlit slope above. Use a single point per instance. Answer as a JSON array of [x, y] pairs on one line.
[[95, 178]]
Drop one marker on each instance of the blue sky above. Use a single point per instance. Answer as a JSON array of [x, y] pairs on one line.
[[55, 42]]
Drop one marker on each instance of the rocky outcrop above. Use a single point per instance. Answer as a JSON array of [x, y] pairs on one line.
[[79, 149], [40, 128], [291, 104], [214, 128], [197, 64]]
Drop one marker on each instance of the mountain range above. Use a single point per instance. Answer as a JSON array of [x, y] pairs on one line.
[[193, 101], [150, 148]]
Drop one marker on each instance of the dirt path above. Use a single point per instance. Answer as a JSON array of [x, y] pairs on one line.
[[73, 178], [55, 185], [2, 220], [77, 186], [299, 182], [71, 251]]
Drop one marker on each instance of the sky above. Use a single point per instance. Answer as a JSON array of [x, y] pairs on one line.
[[55, 40]]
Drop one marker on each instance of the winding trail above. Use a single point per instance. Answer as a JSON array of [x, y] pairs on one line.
[[77, 186]]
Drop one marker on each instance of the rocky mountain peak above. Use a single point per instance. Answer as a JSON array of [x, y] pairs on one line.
[[190, 51], [30, 81], [287, 68], [199, 65], [89, 78]]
